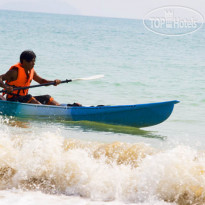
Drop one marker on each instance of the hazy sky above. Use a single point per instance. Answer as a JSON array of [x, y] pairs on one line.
[[109, 8]]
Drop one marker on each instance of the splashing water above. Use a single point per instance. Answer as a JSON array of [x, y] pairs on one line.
[[131, 173]]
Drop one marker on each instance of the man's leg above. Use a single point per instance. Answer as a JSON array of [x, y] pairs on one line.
[[53, 102], [33, 101], [24, 99], [46, 100]]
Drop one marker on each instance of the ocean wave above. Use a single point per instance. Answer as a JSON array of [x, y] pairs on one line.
[[131, 173]]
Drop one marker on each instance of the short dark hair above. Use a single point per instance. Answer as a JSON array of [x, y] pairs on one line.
[[27, 55]]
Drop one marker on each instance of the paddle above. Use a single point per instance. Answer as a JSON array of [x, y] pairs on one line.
[[53, 83]]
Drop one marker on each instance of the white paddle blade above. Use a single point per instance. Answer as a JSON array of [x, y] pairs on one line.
[[89, 78]]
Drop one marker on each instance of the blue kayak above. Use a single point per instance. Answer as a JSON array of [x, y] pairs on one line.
[[138, 115]]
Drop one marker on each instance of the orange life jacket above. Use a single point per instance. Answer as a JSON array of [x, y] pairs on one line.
[[22, 80]]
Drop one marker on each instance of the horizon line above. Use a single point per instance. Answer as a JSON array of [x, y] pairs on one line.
[[44, 12]]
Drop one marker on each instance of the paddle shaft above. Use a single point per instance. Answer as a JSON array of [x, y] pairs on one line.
[[34, 86], [53, 83]]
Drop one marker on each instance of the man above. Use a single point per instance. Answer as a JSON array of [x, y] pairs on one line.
[[21, 75]]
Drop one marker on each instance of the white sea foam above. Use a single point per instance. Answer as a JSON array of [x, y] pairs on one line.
[[122, 172]]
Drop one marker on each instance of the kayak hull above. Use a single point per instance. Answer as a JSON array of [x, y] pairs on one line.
[[139, 115]]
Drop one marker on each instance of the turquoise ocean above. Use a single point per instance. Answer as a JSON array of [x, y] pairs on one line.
[[62, 162]]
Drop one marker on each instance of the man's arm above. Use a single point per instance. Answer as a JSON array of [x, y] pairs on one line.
[[40, 80], [1, 81], [11, 75]]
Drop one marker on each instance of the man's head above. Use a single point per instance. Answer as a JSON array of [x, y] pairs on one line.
[[27, 59]]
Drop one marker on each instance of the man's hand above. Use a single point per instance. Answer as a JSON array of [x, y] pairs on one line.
[[9, 89], [57, 82]]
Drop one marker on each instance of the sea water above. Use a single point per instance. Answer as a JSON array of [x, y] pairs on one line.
[[62, 162]]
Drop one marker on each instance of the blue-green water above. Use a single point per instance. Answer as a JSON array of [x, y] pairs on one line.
[[139, 67]]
